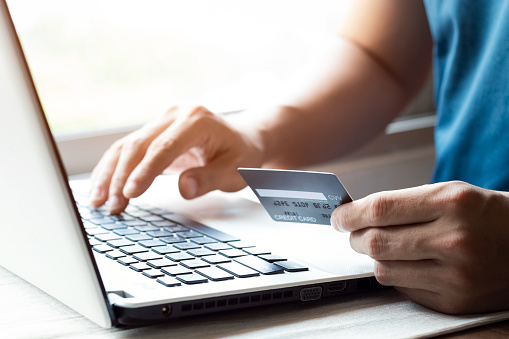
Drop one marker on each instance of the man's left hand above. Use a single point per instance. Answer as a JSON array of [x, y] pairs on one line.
[[444, 245]]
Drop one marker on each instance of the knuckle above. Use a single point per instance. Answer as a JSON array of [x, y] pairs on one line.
[[461, 197], [161, 145], [375, 243], [379, 208], [133, 144], [198, 111], [170, 112], [459, 242], [116, 146]]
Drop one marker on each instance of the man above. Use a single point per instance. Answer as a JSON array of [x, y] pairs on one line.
[[445, 245]]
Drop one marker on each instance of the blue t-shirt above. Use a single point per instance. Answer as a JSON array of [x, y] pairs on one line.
[[471, 78]]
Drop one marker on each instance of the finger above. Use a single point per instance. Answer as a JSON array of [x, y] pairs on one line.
[[102, 176], [218, 174], [400, 207], [103, 173], [408, 242], [419, 274], [176, 140], [131, 155], [134, 148]]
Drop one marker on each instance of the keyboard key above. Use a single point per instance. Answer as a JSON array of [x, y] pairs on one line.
[[292, 266], [204, 230], [203, 240], [138, 237], [238, 270], [240, 244], [115, 254], [120, 243], [133, 223], [233, 253], [272, 257], [165, 249], [218, 246], [127, 261], [101, 220], [158, 234], [140, 266], [158, 263], [163, 223], [146, 228], [167, 215], [102, 248], [114, 226], [172, 240], [153, 273], [150, 218], [214, 273], [151, 243], [189, 234], [194, 264], [176, 270], [216, 259], [156, 210], [122, 217], [107, 236], [192, 278], [131, 208], [144, 256], [94, 242], [201, 252], [96, 231], [169, 281], [260, 265], [179, 256], [126, 231], [133, 249], [87, 224], [176, 228], [138, 213], [144, 206], [256, 251], [186, 245]]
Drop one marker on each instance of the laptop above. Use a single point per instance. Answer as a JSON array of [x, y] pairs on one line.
[[153, 262]]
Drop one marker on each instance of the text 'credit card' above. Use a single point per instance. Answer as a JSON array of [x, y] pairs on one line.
[[296, 196]]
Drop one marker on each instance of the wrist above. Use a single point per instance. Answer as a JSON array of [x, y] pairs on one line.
[[265, 129]]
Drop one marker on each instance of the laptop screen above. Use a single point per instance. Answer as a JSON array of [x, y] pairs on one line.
[[41, 239]]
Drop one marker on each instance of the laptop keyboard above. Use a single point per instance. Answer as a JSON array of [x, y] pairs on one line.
[[175, 251]]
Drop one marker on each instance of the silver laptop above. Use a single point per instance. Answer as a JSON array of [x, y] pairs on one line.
[[148, 264]]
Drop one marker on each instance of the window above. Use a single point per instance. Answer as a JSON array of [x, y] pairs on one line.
[[100, 64]]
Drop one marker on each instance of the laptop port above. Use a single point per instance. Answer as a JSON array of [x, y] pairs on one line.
[[338, 287], [311, 293], [166, 310]]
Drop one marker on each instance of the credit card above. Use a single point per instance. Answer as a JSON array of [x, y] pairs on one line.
[[296, 196]]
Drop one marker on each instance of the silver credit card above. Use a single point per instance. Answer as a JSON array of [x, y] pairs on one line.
[[296, 196]]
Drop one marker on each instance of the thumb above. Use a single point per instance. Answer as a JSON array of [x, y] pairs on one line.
[[218, 174]]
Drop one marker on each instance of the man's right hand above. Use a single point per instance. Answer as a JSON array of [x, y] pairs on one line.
[[202, 146]]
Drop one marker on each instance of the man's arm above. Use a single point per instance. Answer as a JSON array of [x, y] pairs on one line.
[[380, 61]]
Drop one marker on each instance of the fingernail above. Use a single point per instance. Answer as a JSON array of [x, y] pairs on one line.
[[335, 224], [96, 194], [190, 187], [129, 188]]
